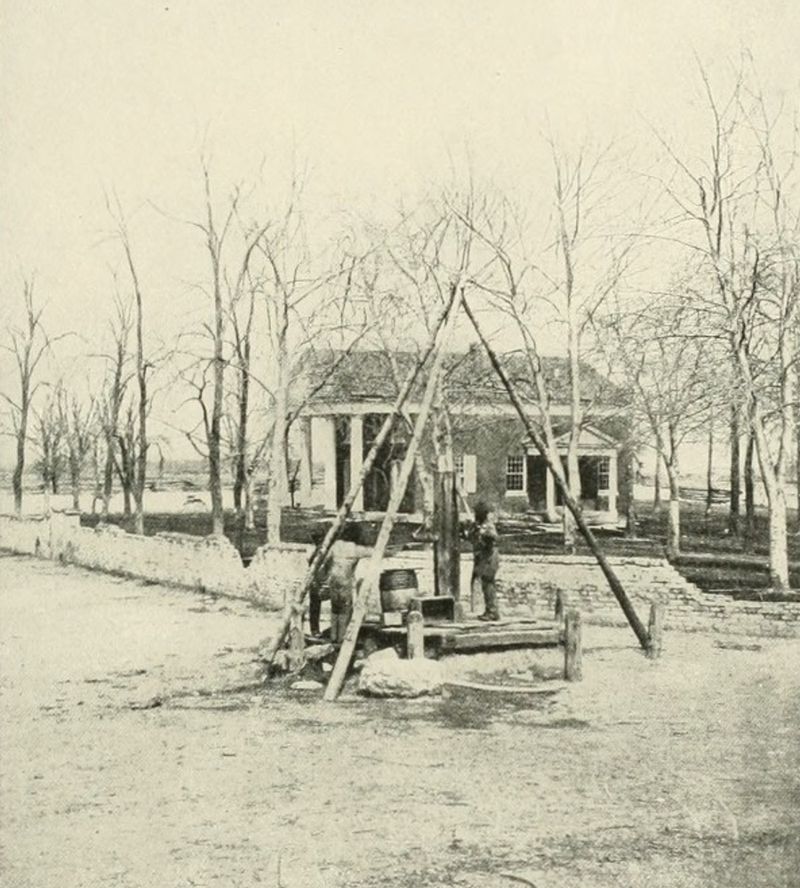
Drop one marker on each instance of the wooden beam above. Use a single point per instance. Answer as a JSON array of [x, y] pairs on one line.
[[446, 551], [469, 641]]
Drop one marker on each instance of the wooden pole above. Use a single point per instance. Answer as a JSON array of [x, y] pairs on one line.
[[446, 552], [569, 501], [373, 568], [297, 657], [321, 553], [415, 637], [655, 630], [559, 608], [573, 649]]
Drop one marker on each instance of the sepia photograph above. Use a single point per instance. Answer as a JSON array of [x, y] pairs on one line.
[[400, 444]]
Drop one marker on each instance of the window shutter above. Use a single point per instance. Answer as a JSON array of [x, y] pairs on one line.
[[470, 473]]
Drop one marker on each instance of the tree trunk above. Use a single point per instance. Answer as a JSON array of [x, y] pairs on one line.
[[108, 476], [631, 518], [674, 515], [249, 515], [736, 475], [277, 469], [657, 478], [141, 459], [240, 475], [749, 491], [778, 545], [75, 479], [127, 509], [709, 469], [574, 482], [215, 431], [775, 485], [19, 468]]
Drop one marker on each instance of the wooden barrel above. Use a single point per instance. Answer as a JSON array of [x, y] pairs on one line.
[[398, 586]]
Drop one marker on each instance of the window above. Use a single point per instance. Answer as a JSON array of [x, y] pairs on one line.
[[603, 473], [515, 474], [458, 468]]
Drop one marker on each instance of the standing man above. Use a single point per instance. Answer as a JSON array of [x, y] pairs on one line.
[[336, 582], [485, 559]]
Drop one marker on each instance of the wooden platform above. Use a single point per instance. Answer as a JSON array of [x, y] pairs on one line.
[[473, 635]]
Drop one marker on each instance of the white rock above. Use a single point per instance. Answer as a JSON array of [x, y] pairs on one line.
[[306, 685], [386, 675]]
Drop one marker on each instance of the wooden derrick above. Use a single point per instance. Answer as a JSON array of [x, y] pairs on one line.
[[321, 553], [373, 568]]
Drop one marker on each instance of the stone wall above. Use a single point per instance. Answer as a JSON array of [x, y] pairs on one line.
[[528, 584], [210, 564]]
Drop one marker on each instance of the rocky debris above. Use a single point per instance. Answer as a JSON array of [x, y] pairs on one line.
[[152, 703], [307, 685], [316, 652], [385, 675]]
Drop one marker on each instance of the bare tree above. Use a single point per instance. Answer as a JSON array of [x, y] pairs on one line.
[[50, 433], [306, 297], [28, 344], [142, 365], [78, 421], [567, 278], [669, 369], [115, 383], [738, 216]]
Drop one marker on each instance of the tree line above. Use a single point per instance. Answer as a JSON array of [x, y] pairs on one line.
[[681, 283]]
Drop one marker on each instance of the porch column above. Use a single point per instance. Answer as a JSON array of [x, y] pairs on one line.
[[323, 461], [612, 485], [549, 493], [305, 460], [357, 457]]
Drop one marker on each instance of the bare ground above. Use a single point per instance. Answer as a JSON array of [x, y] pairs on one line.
[[685, 772]]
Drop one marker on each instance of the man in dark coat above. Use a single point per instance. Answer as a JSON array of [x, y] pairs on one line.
[[485, 559]]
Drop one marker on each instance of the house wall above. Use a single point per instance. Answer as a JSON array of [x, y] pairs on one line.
[[491, 441]]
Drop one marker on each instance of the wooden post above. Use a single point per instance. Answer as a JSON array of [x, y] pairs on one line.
[[415, 638], [655, 630], [559, 608], [569, 501], [324, 548], [398, 492], [573, 651], [446, 550], [297, 648]]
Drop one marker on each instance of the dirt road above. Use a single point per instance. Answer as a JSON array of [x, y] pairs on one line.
[[681, 773]]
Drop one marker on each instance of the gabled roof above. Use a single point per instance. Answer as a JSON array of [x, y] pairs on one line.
[[367, 376]]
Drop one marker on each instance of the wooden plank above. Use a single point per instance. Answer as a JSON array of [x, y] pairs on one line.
[[527, 638]]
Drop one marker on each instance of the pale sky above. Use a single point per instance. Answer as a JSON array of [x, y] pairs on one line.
[[374, 96]]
